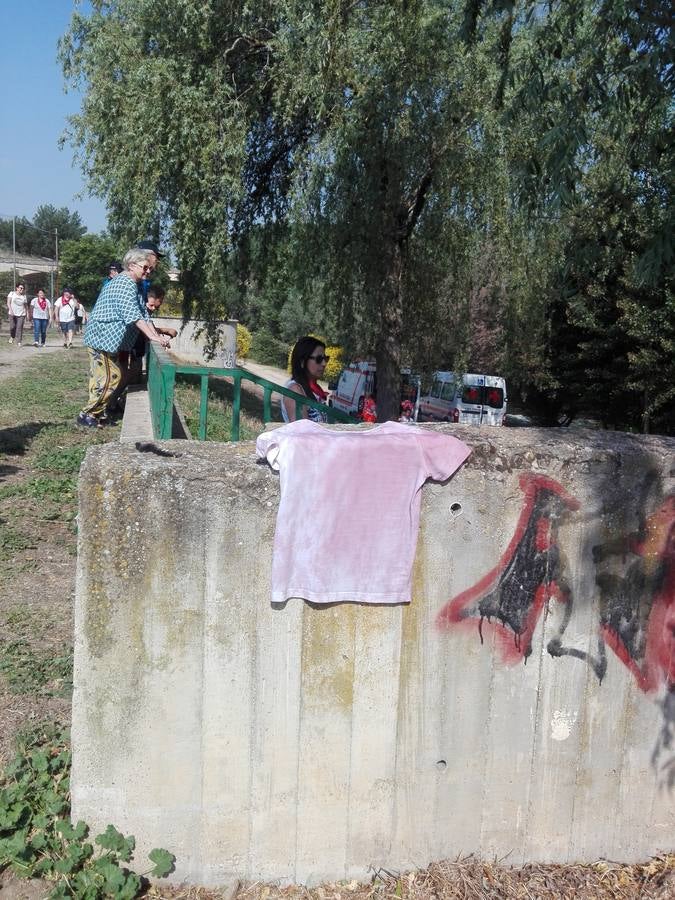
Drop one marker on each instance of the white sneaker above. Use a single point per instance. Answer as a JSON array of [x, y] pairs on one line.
[[11, 340], [19, 344], [35, 344]]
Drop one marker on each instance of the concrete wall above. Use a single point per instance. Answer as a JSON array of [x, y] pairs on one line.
[[519, 708], [192, 340]]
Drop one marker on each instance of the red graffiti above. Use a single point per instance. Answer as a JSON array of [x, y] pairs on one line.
[[637, 607], [512, 596]]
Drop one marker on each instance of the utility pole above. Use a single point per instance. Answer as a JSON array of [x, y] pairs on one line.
[[14, 247], [56, 238]]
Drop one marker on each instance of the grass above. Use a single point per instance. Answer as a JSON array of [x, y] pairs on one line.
[[41, 451], [219, 416], [30, 662]]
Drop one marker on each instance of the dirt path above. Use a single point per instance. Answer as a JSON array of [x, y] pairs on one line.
[[13, 358]]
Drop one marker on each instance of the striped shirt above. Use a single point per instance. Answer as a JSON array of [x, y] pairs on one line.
[[111, 326]]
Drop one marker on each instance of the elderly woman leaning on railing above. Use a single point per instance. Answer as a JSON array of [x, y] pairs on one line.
[[117, 317]]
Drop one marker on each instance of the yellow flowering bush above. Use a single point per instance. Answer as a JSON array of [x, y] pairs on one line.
[[243, 341]]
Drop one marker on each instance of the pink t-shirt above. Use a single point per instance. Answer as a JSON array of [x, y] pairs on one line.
[[350, 506]]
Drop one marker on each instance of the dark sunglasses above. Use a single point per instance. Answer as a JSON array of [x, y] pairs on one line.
[[319, 359]]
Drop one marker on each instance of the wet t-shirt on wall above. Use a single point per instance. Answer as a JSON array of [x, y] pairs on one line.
[[349, 511]]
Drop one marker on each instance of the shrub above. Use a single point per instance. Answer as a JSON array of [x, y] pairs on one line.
[[335, 366], [243, 341], [38, 839], [267, 349]]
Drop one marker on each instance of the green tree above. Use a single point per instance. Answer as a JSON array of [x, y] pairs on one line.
[[48, 219], [84, 265], [596, 86], [37, 237], [350, 122], [375, 150]]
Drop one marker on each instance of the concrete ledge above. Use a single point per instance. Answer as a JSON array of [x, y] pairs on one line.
[[522, 706], [136, 422]]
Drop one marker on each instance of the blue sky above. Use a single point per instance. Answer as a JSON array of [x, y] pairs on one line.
[[33, 114]]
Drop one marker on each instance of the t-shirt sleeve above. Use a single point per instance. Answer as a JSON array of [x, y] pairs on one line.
[[268, 445], [442, 454]]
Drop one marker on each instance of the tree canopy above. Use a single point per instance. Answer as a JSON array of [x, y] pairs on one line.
[[37, 237], [477, 183], [84, 265]]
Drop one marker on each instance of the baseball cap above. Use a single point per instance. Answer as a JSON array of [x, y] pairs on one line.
[[151, 246], [116, 265], [67, 290]]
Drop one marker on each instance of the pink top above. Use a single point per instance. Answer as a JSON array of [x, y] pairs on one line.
[[350, 506]]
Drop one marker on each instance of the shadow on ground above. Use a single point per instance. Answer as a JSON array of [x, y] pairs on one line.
[[16, 439]]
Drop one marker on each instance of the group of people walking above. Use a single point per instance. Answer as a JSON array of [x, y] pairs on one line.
[[67, 314]]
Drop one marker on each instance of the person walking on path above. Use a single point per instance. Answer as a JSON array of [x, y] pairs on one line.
[[17, 304], [65, 315], [113, 325], [40, 313]]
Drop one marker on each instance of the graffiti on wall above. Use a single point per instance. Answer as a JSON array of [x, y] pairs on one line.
[[635, 579], [635, 584], [510, 599]]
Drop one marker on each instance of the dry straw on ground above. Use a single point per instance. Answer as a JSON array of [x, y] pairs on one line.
[[470, 879]]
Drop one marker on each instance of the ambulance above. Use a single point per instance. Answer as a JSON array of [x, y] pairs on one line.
[[465, 398], [358, 381]]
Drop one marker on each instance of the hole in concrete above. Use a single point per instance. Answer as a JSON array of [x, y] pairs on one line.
[[441, 765], [456, 509]]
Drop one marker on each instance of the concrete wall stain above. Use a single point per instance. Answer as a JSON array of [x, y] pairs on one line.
[[327, 659]]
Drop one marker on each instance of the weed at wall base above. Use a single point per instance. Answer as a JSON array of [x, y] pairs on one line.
[[37, 839]]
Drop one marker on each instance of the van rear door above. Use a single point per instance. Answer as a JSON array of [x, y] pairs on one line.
[[494, 404], [471, 402]]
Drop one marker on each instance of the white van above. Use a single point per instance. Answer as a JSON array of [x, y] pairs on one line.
[[359, 380], [466, 398]]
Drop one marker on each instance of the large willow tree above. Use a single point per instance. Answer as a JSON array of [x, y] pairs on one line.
[[397, 147]]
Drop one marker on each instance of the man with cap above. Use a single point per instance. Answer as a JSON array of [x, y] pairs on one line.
[[114, 270]]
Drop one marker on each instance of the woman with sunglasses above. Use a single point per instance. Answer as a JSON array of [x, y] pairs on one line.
[[111, 329], [308, 362]]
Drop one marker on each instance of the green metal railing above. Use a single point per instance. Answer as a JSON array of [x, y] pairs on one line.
[[162, 371]]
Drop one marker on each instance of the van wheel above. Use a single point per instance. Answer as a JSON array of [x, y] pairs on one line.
[[359, 406]]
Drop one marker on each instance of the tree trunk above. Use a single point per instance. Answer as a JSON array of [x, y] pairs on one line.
[[388, 349], [645, 413]]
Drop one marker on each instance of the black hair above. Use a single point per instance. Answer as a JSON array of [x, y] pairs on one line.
[[156, 291], [303, 349]]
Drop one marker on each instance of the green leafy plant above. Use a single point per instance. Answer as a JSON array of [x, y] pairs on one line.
[[37, 839], [268, 350]]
